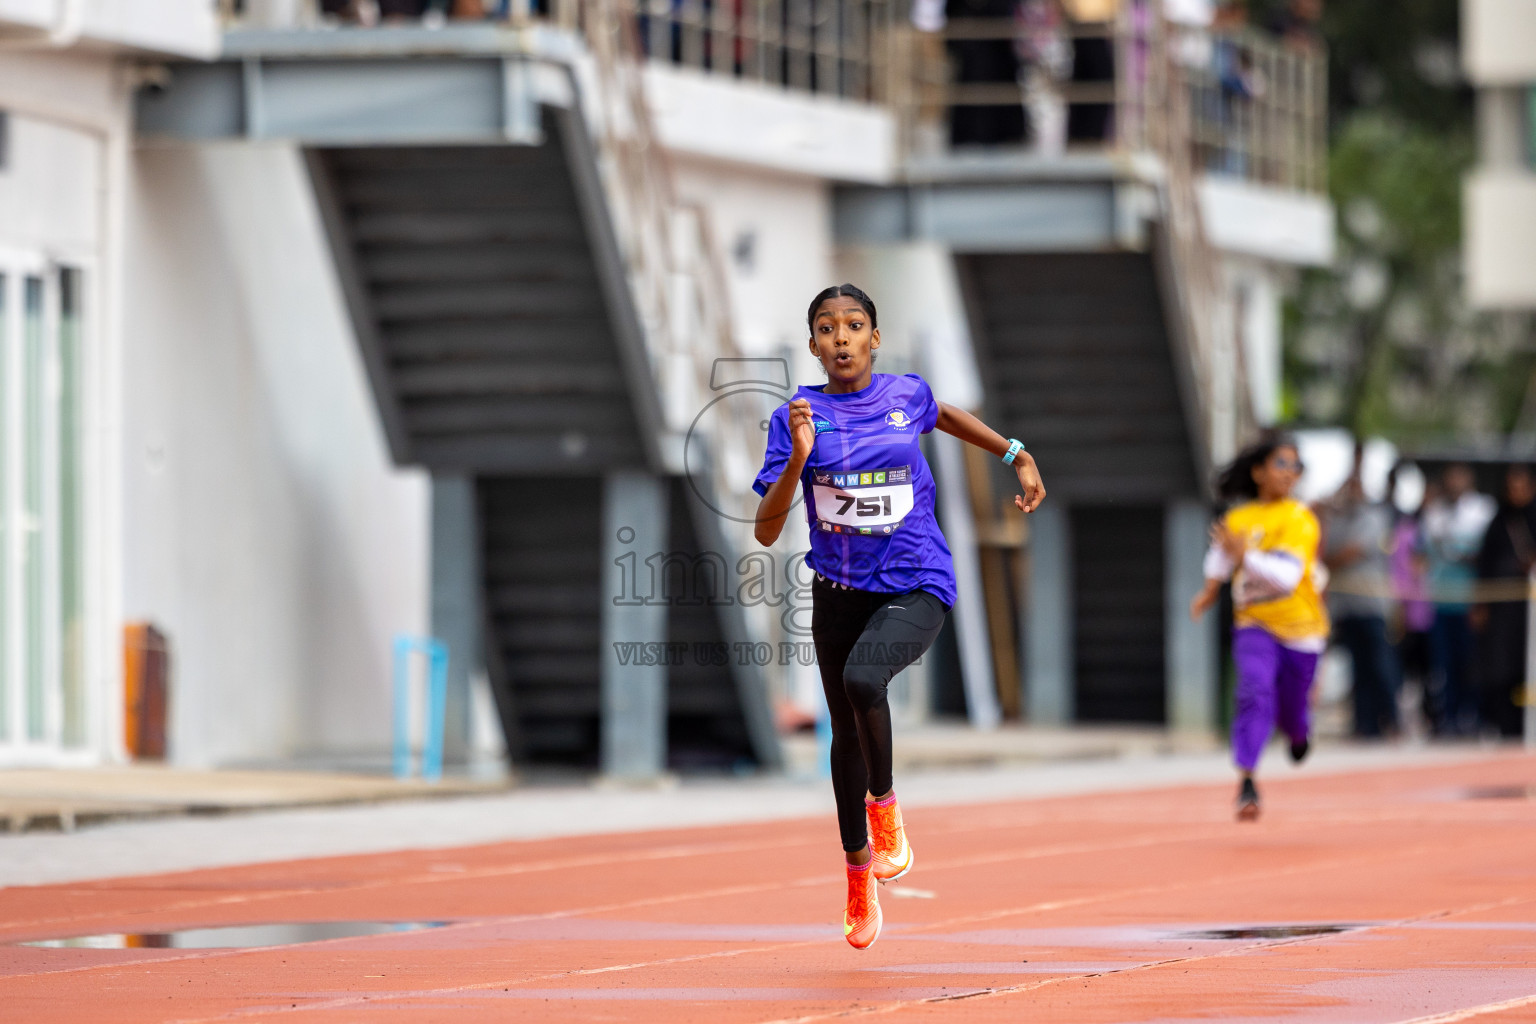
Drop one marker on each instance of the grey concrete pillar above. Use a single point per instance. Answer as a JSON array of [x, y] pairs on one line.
[[1191, 648], [1501, 127], [634, 628], [1049, 662], [456, 601], [970, 611], [1529, 719]]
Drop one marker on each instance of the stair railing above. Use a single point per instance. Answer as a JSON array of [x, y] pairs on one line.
[[679, 288], [1155, 113], [674, 268]]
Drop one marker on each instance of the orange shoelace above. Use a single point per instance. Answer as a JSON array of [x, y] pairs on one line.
[[858, 897], [882, 827]]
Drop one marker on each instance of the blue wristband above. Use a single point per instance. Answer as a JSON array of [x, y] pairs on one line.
[[1014, 447]]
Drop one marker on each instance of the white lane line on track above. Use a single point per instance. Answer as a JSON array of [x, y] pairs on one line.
[[361, 1000], [1051, 850], [1059, 849], [1474, 1011], [1448, 1018], [28, 928], [429, 876]]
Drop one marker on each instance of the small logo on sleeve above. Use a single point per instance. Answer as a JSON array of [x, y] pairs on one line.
[[897, 419]]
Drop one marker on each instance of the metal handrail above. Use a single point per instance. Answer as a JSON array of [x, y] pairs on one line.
[[1160, 104], [1258, 105], [674, 267], [1267, 124], [832, 47], [1223, 406]]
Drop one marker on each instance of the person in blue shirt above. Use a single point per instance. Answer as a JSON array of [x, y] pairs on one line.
[[884, 577]]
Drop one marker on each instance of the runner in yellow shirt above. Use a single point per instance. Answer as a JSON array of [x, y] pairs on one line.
[[1267, 546]]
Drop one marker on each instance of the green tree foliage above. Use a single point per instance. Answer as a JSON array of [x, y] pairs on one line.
[[1399, 56], [1382, 342]]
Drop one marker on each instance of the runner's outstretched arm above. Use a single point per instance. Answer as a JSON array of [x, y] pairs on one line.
[[971, 430]]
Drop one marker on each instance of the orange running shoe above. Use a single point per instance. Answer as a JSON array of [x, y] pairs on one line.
[[862, 920], [892, 856]]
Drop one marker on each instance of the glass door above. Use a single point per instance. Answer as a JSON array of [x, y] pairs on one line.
[[43, 699]]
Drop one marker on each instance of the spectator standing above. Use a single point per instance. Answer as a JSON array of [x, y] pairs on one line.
[[1414, 614], [931, 66], [1298, 24], [1192, 20], [1130, 126], [1504, 566], [1239, 84], [1047, 54], [1453, 529], [1093, 62], [1357, 551]]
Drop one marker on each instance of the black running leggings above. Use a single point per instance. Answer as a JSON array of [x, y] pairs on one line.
[[862, 640]]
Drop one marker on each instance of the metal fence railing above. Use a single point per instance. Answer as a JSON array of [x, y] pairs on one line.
[[1260, 111], [674, 268], [1257, 106], [829, 47]]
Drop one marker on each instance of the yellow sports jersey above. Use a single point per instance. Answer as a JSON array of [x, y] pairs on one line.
[[1288, 528]]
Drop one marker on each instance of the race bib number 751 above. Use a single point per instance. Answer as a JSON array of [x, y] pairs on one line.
[[872, 502]]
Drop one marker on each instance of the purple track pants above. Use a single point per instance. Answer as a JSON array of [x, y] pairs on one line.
[[1273, 683]]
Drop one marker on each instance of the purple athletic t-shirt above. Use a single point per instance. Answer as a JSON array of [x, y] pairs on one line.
[[869, 494]]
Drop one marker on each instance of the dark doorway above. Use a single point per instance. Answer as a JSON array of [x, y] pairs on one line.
[[1119, 570]]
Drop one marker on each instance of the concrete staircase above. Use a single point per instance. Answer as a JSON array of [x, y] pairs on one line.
[[542, 570], [1076, 350], [1082, 368], [475, 277], [1119, 613], [542, 577], [484, 322]]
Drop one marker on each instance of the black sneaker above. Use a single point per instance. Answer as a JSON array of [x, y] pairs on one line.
[[1248, 802], [1299, 750]]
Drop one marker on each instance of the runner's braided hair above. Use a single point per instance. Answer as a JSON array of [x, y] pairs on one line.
[[1236, 482], [851, 291]]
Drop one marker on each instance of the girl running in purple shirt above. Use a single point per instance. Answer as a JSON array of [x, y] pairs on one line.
[[884, 577]]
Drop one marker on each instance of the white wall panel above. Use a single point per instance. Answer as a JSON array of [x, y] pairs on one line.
[[28, 14], [1498, 41], [774, 232], [185, 28], [750, 123], [266, 529], [1500, 247], [1265, 222], [49, 191]]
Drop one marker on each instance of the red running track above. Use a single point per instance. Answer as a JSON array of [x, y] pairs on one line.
[[1124, 907]]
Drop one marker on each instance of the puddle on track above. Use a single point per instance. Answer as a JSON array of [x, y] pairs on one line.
[[1274, 931], [1497, 793], [243, 936]]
